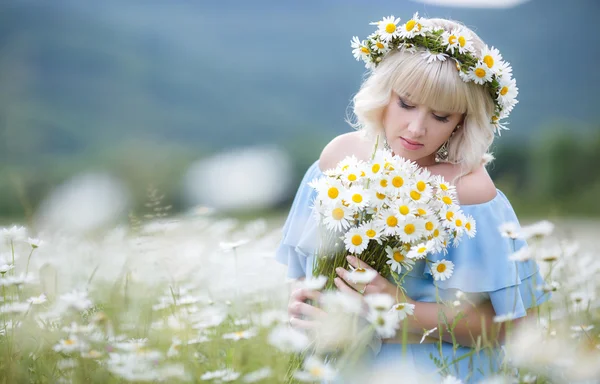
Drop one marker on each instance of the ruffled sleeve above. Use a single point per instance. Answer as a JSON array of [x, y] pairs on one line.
[[481, 263], [299, 239]]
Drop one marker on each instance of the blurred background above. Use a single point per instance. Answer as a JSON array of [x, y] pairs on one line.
[[161, 100]]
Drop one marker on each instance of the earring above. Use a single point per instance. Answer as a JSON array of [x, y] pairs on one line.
[[442, 154], [386, 146]]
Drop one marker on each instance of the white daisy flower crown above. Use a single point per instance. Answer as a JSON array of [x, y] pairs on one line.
[[485, 68]]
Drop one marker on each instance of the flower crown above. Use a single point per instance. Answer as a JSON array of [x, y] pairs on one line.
[[486, 68]]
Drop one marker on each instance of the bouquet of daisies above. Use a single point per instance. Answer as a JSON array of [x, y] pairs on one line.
[[387, 212]]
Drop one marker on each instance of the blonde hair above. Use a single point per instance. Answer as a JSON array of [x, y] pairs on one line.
[[436, 85]]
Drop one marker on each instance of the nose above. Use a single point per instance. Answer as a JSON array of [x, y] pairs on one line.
[[417, 125]]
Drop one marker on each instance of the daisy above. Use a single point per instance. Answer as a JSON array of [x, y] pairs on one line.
[[388, 28], [442, 269], [507, 91], [447, 214], [356, 241], [431, 57], [357, 197], [498, 125], [405, 208], [35, 300], [537, 230], [389, 222], [398, 180], [382, 184], [421, 250], [328, 189], [361, 275], [458, 224], [397, 259], [450, 40], [245, 334], [359, 49], [385, 323], [370, 231], [315, 283], [480, 73], [419, 195], [470, 226], [411, 229], [337, 217], [442, 185], [288, 339], [447, 198], [523, 254], [492, 58], [380, 46], [352, 174], [510, 230], [380, 302], [315, 369], [403, 309], [413, 27], [465, 41], [377, 199]]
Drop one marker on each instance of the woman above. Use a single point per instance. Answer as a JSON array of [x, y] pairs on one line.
[[435, 95]]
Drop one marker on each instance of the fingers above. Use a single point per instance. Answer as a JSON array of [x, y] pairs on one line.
[[344, 288], [343, 274], [355, 262], [302, 294], [303, 324]]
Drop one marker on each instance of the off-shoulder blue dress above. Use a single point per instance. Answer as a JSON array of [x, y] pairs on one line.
[[481, 269]]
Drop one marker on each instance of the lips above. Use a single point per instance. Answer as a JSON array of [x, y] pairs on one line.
[[410, 141]]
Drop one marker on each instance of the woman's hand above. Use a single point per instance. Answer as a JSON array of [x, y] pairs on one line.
[[298, 307], [379, 284]]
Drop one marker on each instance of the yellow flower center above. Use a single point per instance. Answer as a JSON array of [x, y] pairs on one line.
[[421, 212], [398, 256], [69, 342], [337, 213], [421, 249], [429, 226], [392, 221], [390, 28], [400, 307], [480, 72], [380, 45], [316, 372], [365, 50], [462, 41], [458, 222], [375, 168], [356, 240], [362, 173], [397, 181], [495, 119], [333, 192], [371, 233], [504, 91], [383, 183], [357, 198], [239, 333], [409, 229], [441, 267], [452, 39], [421, 186], [436, 233], [449, 215], [389, 166], [352, 177], [404, 210], [468, 226], [410, 25], [447, 200], [444, 187], [415, 195], [345, 167], [380, 196], [488, 60]]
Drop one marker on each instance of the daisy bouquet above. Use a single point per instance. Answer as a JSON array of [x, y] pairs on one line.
[[387, 212]]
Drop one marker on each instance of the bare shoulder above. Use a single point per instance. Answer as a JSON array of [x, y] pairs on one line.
[[476, 187], [347, 144]]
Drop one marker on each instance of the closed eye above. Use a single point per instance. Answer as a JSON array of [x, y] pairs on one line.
[[443, 119], [404, 105]]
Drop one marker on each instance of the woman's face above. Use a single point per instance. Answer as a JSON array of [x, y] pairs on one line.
[[415, 131]]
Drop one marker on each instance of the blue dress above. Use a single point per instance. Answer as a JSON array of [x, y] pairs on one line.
[[481, 268]]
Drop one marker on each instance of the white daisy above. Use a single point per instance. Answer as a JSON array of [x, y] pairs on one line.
[[380, 46], [398, 181], [352, 174], [411, 229], [288, 339], [442, 269], [450, 40], [405, 208], [6, 267], [421, 250], [359, 49], [492, 58], [442, 185], [413, 27], [315, 283], [379, 301], [510, 230], [430, 226], [522, 254], [465, 41], [397, 259], [504, 69], [382, 184], [385, 323], [537, 230], [356, 241], [401, 310], [507, 91], [480, 73], [337, 216], [361, 275], [447, 199], [447, 215], [370, 231], [498, 125], [35, 300], [458, 224], [389, 222], [419, 195], [314, 369], [388, 28], [378, 199], [357, 197], [431, 57], [328, 189], [470, 226], [245, 334]]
